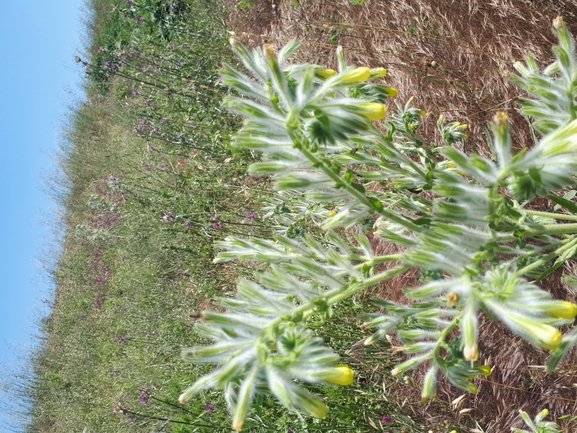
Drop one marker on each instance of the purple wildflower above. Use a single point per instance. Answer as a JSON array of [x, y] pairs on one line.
[[143, 399], [216, 225], [187, 223], [386, 419], [250, 216], [135, 92], [208, 407]]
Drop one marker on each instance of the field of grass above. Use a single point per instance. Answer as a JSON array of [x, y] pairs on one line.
[[149, 182]]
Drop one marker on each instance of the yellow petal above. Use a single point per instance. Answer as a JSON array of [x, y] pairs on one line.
[[325, 72], [485, 370], [549, 337], [343, 377], [378, 72], [563, 310], [317, 409], [373, 110], [390, 91], [357, 75]]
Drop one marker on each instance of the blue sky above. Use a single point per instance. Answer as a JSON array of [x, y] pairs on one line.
[[38, 80]]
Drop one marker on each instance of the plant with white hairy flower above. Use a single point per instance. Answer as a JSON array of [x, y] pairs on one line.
[[538, 425], [462, 220]]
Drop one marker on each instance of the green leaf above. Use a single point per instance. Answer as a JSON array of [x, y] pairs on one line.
[[564, 203]]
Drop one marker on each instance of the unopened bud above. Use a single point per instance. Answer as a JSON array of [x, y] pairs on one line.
[[357, 75], [234, 41], [558, 23], [500, 118], [563, 310], [452, 298], [378, 72], [326, 72], [343, 377], [373, 110], [268, 50], [471, 353], [485, 370]]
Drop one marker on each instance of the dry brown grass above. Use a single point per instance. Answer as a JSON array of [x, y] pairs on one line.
[[455, 58]]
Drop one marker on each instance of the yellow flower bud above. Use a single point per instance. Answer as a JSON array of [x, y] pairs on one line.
[[549, 337], [452, 298], [378, 72], [391, 91], [237, 424], [500, 119], [373, 110], [183, 398], [325, 72], [558, 22], [331, 213], [268, 50], [562, 310], [343, 377], [234, 41], [316, 408], [485, 370], [357, 75]]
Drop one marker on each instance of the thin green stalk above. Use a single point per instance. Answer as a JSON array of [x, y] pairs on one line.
[[552, 229], [548, 257], [445, 333], [362, 198], [384, 259], [552, 215], [355, 288], [337, 295], [549, 229]]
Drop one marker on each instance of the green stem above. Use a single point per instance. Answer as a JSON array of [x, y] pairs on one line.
[[362, 198], [384, 259], [552, 229], [336, 295], [374, 261], [549, 229], [548, 257], [444, 334], [552, 215]]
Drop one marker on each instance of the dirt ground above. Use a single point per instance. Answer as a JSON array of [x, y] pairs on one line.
[[454, 58]]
